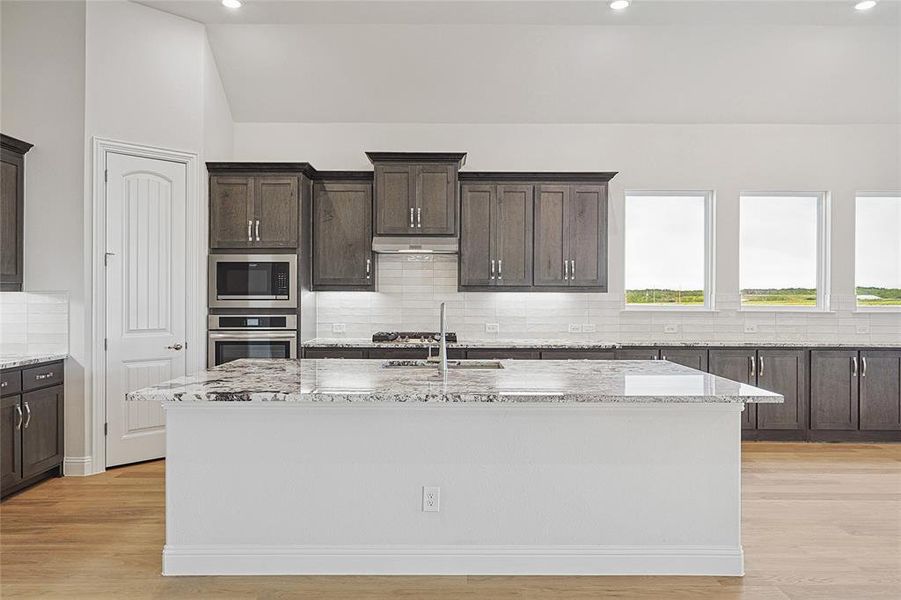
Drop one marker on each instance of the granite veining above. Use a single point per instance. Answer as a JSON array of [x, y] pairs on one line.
[[547, 344], [520, 381], [11, 361]]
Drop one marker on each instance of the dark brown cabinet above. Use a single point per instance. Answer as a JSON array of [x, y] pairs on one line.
[[880, 390], [503, 354], [571, 236], [496, 235], [31, 425], [576, 354], [415, 192], [342, 236], [696, 358], [12, 212], [834, 399], [737, 365], [253, 211], [637, 354]]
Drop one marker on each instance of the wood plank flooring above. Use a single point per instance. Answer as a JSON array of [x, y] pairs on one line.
[[821, 521]]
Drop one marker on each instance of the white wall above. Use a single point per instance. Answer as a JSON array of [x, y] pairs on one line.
[[43, 84], [725, 158]]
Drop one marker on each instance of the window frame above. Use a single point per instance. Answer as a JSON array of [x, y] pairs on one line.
[[823, 248], [896, 308], [709, 252]]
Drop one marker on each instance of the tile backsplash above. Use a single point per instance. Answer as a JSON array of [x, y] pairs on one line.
[[410, 288], [34, 322]]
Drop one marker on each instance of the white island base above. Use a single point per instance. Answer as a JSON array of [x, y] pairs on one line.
[[270, 488]]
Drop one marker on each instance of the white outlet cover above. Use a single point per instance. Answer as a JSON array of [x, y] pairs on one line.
[[589, 327], [431, 499], [575, 328], [750, 328], [863, 328], [671, 328], [339, 328], [492, 327]]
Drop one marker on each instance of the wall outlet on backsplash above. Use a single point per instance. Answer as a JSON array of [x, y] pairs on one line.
[[750, 328], [589, 327], [339, 328], [492, 328], [863, 328], [671, 328], [575, 328]]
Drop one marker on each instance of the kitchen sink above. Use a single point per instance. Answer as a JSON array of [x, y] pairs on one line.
[[451, 364]]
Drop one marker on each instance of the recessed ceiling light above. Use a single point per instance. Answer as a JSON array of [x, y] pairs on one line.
[[231, 3], [619, 4], [865, 5]]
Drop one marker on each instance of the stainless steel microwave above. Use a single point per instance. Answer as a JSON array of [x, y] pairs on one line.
[[253, 281]]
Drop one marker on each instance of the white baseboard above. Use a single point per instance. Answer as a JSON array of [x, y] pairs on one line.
[[78, 466], [453, 560]]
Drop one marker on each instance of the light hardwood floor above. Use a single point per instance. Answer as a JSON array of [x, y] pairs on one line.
[[820, 521]]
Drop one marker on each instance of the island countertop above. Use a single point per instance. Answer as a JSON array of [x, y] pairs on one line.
[[339, 381]]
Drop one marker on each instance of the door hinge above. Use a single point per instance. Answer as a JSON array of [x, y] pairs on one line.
[[105, 175], [105, 428], [105, 344]]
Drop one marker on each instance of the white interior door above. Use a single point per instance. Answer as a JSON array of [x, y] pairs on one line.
[[145, 298]]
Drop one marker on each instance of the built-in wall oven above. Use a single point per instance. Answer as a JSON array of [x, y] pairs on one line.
[[251, 336], [253, 281]]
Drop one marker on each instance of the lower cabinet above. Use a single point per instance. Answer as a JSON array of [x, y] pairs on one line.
[[334, 353], [737, 365], [563, 354], [637, 353], [855, 390], [503, 354], [31, 426], [696, 358]]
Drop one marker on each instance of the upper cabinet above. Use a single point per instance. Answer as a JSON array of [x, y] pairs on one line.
[[342, 236], [253, 209], [12, 212], [416, 192]]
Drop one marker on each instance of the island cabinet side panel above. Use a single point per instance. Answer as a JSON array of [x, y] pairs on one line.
[[275, 488]]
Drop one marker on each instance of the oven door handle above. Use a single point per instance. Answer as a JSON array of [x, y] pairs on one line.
[[262, 335]]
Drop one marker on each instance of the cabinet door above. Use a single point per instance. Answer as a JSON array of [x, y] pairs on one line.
[[834, 399], [880, 390], [354, 353], [551, 235], [476, 241], [342, 236], [436, 207], [231, 212], [587, 218], [636, 353], [559, 354], [12, 184], [737, 365], [783, 371], [276, 206], [696, 358], [10, 441], [502, 354], [513, 235], [394, 202], [42, 438]]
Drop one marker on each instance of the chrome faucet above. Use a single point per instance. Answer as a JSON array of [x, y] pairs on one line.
[[442, 341]]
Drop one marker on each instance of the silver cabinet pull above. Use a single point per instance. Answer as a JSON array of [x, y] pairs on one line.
[[753, 363], [492, 270], [258, 230], [863, 366], [572, 269], [411, 216], [3, 384], [760, 371], [27, 415], [250, 230], [853, 366], [663, 357], [368, 268], [500, 268], [565, 270], [19, 414], [44, 375], [419, 217], [175, 347]]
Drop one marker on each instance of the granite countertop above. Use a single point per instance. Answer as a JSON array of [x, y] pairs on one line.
[[580, 345], [9, 361], [369, 381]]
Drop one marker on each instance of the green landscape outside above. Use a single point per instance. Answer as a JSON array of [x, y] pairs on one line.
[[866, 296]]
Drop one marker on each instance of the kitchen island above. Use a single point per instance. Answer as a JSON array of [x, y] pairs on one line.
[[541, 467]]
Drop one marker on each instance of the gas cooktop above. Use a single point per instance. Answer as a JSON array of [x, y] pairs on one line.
[[407, 337]]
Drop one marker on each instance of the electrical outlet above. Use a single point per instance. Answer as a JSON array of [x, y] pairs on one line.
[[492, 327], [431, 499], [863, 328], [575, 328], [671, 328], [589, 327], [339, 328], [750, 328]]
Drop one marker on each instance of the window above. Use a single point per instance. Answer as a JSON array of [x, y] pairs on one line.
[[783, 250], [878, 257], [669, 249]]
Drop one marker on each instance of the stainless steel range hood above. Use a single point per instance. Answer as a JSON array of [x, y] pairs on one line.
[[414, 245]]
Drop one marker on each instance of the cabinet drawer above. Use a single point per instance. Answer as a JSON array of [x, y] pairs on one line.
[[10, 382], [42, 376], [333, 353]]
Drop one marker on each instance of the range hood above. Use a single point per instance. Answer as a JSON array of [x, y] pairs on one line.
[[396, 244]]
